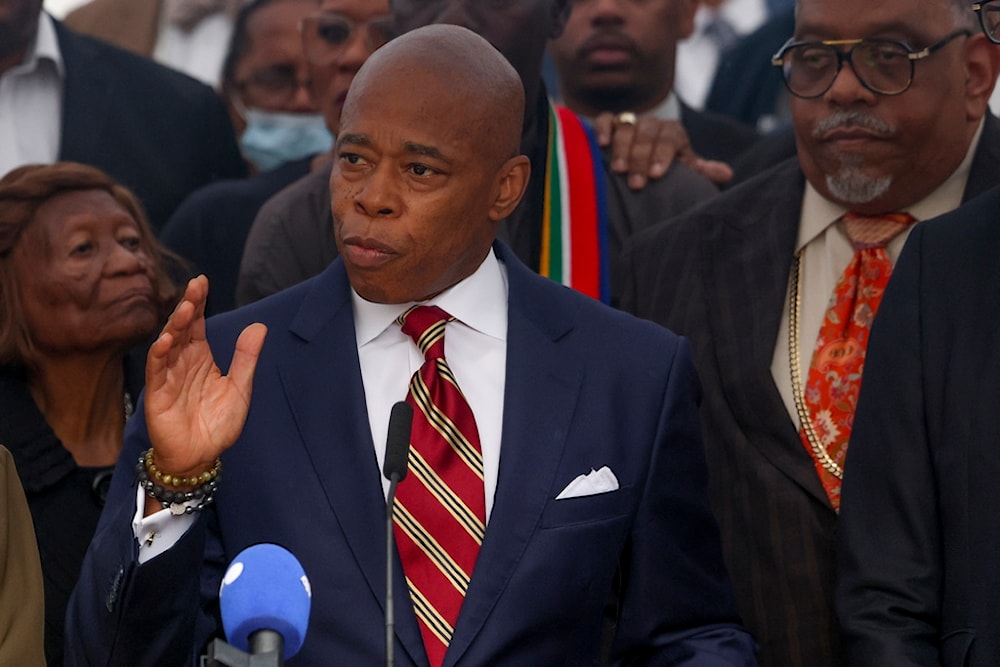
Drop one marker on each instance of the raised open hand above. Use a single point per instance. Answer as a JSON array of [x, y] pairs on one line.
[[193, 412]]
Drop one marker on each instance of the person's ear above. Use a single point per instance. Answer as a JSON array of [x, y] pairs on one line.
[[982, 65], [560, 16], [511, 182]]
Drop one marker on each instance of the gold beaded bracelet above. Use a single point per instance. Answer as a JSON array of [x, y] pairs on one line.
[[176, 481]]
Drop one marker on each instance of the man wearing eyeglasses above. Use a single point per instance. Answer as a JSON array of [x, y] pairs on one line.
[[329, 42], [777, 280], [917, 579]]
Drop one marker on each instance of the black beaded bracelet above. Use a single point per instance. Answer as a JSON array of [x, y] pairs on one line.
[[176, 500]]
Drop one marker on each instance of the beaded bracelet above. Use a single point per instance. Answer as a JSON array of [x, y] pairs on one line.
[[166, 479], [205, 486]]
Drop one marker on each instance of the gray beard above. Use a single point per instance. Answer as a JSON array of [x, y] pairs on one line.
[[851, 185]]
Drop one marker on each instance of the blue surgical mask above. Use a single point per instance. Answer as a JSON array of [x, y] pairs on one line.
[[273, 138]]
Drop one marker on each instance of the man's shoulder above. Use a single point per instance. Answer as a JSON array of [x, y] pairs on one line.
[[716, 136], [775, 191], [129, 71], [243, 193], [679, 190], [557, 309], [962, 237]]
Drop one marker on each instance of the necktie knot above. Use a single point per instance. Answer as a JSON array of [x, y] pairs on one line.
[[425, 325], [875, 231]]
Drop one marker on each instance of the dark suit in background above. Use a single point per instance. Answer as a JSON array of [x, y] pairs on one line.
[[747, 86], [159, 132], [719, 276], [715, 136], [303, 474], [919, 536]]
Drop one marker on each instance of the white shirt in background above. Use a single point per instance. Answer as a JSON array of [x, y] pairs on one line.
[[31, 96], [198, 53], [698, 55]]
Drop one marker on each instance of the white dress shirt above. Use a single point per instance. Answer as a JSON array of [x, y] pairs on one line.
[[476, 351], [31, 96], [475, 348], [827, 253]]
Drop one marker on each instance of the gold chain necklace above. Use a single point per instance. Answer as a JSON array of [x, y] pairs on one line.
[[794, 363]]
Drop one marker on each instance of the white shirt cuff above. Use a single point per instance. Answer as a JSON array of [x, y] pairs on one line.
[[157, 532]]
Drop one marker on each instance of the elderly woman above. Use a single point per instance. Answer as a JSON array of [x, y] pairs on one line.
[[82, 283]]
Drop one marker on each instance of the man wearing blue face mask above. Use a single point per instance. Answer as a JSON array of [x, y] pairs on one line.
[[275, 138], [267, 84]]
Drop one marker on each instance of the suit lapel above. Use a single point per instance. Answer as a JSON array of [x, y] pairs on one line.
[[541, 391], [324, 389], [84, 88], [986, 161], [749, 261]]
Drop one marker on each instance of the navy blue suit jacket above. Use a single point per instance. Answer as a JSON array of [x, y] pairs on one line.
[[155, 130], [586, 387]]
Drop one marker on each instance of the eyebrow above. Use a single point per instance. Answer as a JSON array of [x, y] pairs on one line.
[[410, 147], [426, 151], [354, 140]]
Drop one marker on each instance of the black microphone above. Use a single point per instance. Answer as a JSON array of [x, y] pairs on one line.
[[397, 458], [397, 443]]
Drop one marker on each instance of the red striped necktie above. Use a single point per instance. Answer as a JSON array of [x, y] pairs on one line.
[[440, 512], [838, 359]]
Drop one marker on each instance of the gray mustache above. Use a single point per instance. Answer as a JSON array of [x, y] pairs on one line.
[[851, 118]]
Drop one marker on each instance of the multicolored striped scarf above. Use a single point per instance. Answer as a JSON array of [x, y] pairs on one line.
[[575, 231]]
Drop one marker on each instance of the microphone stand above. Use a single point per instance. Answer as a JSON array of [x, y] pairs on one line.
[[390, 613], [397, 454], [267, 649]]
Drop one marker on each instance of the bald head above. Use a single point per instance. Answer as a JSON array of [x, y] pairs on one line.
[[427, 163], [445, 66]]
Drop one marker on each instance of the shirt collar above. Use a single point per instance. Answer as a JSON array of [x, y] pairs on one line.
[[819, 213], [45, 47], [668, 109], [464, 301]]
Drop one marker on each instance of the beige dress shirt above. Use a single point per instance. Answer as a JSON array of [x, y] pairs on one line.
[[826, 251]]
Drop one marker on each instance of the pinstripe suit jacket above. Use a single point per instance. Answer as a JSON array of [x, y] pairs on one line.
[[719, 275]]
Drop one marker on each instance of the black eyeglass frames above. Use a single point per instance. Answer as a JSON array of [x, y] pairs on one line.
[[883, 66], [989, 18]]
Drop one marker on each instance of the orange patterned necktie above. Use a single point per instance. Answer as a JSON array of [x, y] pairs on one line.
[[440, 511], [838, 359]]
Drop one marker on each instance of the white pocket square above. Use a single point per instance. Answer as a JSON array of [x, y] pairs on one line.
[[594, 482]]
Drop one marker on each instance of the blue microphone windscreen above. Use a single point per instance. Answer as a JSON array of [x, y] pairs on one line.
[[265, 588]]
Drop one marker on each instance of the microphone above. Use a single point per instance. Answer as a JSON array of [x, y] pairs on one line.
[[397, 458], [264, 601], [397, 443]]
